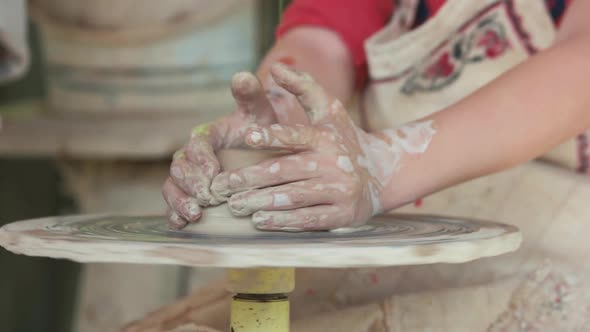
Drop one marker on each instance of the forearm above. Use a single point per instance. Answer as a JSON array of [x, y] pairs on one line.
[[517, 117], [317, 51]]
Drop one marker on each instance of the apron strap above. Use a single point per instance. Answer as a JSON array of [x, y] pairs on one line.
[[404, 14]]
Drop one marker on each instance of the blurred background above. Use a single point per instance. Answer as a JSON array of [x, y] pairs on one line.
[[113, 90]]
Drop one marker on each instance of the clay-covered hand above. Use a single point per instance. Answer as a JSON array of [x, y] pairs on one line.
[[335, 176], [194, 166]]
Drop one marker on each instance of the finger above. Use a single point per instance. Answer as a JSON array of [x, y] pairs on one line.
[[268, 173], [175, 221], [286, 106], [200, 153], [185, 206], [311, 95], [297, 138], [281, 198], [223, 133], [190, 178], [316, 218], [251, 98]]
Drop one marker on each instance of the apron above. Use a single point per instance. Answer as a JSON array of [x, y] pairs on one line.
[[466, 45], [541, 287]]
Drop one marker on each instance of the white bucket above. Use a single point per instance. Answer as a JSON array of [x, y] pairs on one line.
[[185, 64]]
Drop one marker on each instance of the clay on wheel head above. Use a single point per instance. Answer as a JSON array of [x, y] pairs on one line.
[[218, 219]]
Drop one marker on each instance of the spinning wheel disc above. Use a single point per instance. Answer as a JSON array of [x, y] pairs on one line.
[[387, 240]]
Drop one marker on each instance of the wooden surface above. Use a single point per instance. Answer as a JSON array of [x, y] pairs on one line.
[[131, 135], [386, 241]]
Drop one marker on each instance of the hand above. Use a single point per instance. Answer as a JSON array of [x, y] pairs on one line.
[[335, 176], [194, 166]]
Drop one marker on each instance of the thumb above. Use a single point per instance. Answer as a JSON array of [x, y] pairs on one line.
[[251, 98]]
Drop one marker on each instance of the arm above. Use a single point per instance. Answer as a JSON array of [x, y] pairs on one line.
[[195, 165], [329, 53], [344, 176], [319, 38], [535, 106]]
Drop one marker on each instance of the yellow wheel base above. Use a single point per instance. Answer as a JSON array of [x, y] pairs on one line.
[[251, 315], [261, 302]]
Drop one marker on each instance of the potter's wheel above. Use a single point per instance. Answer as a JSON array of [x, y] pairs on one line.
[[261, 265], [387, 240]]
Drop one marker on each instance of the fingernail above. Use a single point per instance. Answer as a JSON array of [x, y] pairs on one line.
[[177, 173], [224, 182], [216, 199], [189, 211], [246, 203], [203, 195], [244, 83], [255, 137], [175, 222], [235, 181], [280, 72], [237, 206], [192, 208], [241, 78], [220, 184], [261, 219]]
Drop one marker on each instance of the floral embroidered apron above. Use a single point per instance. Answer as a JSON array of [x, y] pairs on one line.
[[463, 47], [541, 287]]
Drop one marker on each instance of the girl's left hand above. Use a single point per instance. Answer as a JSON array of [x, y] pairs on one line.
[[333, 178]]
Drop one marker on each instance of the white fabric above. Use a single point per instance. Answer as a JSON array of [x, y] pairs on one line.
[[394, 58]]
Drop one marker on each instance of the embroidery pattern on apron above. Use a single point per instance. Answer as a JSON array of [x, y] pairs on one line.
[[486, 41], [455, 52], [411, 77]]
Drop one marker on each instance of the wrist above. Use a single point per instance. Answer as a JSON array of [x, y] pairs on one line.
[[396, 155]]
